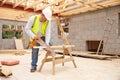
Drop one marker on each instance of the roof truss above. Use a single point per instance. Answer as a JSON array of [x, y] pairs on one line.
[[62, 7]]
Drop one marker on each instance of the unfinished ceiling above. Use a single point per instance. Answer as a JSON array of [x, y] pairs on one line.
[[59, 7]]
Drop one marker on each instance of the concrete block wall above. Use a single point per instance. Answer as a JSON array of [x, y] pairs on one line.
[[0, 36], [90, 26], [55, 39], [9, 43], [83, 27]]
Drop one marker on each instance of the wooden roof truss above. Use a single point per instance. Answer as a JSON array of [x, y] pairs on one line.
[[62, 7]]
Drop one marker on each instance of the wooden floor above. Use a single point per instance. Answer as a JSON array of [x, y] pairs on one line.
[[87, 69]]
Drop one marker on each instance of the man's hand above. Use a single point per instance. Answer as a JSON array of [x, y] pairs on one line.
[[37, 38], [33, 43]]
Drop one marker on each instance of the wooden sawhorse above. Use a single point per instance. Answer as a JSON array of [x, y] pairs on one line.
[[58, 59]]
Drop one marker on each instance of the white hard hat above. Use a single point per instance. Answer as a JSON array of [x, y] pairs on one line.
[[48, 13]]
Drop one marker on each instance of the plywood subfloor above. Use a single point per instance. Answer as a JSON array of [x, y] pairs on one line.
[[88, 69]]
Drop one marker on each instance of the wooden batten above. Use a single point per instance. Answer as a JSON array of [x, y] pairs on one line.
[[3, 2], [50, 59], [13, 14], [62, 7], [63, 60], [35, 3], [17, 4], [56, 47], [90, 6]]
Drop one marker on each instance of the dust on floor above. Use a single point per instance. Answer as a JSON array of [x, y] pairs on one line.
[[87, 69]]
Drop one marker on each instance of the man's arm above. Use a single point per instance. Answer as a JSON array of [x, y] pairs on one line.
[[48, 33], [28, 28]]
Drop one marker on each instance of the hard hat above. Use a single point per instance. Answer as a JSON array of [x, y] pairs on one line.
[[48, 13]]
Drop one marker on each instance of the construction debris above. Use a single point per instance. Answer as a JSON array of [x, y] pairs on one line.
[[5, 71], [10, 62]]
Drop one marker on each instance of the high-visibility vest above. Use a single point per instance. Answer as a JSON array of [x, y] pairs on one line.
[[35, 28]]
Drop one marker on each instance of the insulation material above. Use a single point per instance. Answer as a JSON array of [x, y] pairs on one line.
[[9, 62]]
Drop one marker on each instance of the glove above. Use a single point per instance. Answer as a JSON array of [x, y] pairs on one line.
[[37, 38]]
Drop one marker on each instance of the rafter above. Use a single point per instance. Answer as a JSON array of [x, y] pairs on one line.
[[69, 8], [76, 11], [79, 4], [10, 14], [42, 7], [60, 7], [16, 4], [90, 7], [109, 2], [34, 4], [65, 4], [50, 4], [3, 2]]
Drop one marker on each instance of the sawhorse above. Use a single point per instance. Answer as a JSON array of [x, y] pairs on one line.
[[57, 59]]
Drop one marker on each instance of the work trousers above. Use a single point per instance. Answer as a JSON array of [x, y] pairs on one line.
[[35, 55]]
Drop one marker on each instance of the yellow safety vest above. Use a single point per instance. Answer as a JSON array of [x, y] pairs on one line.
[[35, 27]]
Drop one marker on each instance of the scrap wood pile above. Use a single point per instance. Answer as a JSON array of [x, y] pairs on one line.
[[5, 71]]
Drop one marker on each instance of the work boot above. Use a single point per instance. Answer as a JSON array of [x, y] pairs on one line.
[[32, 70]]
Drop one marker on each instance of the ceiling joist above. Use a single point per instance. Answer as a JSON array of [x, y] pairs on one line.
[[18, 3], [34, 4], [91, 6], [3, 2], [62, 7]]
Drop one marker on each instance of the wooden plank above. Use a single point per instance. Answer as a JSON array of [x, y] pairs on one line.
[[16, 4], [41, 8], [50, 59], [60, 6], [55, 47], [3, 2], [34, 4], [108, 4], [76, 11], [19, 44], [83, 3], [6, 71], [66, 4], [111, 53], [62, 32], [48, 4], [69, 8], [13, 50], [10, 14], [89, 8], [63, 60], [89, 55]]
